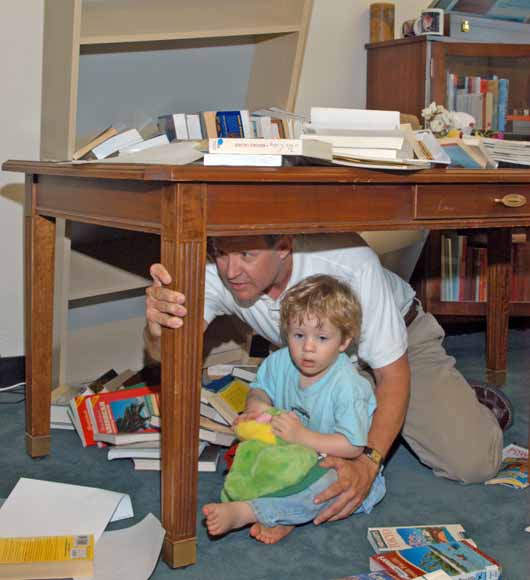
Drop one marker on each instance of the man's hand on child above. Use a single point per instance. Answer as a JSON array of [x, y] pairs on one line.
[[353, 485], [288, 426]]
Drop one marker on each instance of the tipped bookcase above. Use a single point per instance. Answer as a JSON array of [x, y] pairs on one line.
[[125, 62]]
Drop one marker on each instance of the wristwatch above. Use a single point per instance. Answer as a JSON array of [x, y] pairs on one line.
[[373, 455]]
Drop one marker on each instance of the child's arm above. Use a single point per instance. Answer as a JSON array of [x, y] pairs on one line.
[[289, 427]]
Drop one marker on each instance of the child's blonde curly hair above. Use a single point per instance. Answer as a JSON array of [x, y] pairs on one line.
[[325, 298]]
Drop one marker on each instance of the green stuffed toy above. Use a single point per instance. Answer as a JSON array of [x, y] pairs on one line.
[[266, 465]]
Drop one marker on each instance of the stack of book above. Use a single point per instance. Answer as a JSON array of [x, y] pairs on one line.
[[508, 152], [429, 552], [123, 411]]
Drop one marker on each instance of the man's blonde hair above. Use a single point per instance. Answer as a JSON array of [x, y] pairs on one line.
[[325, 298]]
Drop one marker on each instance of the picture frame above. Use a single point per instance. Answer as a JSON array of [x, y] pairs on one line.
[[431, 21]]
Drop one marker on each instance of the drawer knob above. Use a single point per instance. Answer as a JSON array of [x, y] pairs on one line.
[[511, 200]]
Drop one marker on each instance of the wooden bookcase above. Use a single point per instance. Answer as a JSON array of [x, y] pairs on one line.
[[128, 61], [407, 75]]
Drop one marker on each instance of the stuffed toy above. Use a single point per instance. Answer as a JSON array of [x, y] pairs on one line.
[[266, 465]]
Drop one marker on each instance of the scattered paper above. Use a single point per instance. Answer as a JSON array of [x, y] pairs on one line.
[[179, 153], [46, 508], [130, 553]]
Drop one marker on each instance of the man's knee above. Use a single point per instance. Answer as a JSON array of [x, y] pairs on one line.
[[473, 468]]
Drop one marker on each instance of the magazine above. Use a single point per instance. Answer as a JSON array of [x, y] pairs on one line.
[[514, 468]]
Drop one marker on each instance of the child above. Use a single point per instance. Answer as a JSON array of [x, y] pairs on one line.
[[330, 405]]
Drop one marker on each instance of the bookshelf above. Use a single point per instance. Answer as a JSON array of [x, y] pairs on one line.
[[126, 62], [419, 67]]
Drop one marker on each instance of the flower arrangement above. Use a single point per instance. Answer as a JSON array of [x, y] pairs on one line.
[[438, 119]]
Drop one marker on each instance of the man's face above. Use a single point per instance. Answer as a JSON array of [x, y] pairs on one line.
[[249, 267]]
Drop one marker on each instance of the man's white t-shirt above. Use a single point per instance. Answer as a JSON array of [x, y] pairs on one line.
[[385, 298]]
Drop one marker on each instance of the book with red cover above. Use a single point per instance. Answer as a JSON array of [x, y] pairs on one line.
[[460, 560], [123, 411], [111, 410]]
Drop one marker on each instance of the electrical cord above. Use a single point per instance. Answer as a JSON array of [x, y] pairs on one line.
[[17, 389]]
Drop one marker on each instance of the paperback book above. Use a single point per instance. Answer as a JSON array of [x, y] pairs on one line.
[[401, 537], [460, 560]]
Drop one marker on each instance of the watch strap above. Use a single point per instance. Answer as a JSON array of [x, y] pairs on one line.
[[373, 455]]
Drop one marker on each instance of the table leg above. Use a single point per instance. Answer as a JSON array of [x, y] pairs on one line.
[[39, 271], [183, 252], [499, 294]]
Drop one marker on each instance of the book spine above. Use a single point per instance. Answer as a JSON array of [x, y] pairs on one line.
[[260, 146]]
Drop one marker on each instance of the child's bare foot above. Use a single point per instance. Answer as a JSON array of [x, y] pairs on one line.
[[223, 517], [270, 535]]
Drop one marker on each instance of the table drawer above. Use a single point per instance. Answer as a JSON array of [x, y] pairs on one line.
[[473, 200]]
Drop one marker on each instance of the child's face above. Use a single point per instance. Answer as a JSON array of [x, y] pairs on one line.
[[314, 346]]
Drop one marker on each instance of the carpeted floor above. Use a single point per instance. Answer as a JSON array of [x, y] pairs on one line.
[[494, 516]]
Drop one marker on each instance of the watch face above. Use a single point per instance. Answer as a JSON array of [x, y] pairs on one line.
[[374, 455]]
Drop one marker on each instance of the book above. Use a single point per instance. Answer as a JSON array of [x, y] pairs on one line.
[[398, 538], [514, 468], [230, 398], [193, 124], [217, 438], [174, 126], [142, 450], [208, 460], [116, 143], [147, 144], [460, 560], [98, 139], [306, 147], [47, 557], [233, 123], [239, 160], [211, 413], [116, 417], [438, 575]]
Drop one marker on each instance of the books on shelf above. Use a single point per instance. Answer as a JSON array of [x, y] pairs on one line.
[[460, 560], [42, 557], [398, 538], [485, 98]]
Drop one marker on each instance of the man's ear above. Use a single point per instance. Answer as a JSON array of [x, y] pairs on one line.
[[345, 344], [284, 246]]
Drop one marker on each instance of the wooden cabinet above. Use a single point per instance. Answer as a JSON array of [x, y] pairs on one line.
[[126, 62], [407, 75]]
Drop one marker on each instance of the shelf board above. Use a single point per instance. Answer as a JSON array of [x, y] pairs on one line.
[[247, 33], [156, 20]]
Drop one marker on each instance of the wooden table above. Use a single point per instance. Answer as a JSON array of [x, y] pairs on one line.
[[184, 205]]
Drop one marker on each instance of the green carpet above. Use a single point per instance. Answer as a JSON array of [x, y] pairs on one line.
[[494, 516]]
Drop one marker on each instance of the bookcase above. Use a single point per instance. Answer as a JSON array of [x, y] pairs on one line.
[[126, 62], [407, 75]]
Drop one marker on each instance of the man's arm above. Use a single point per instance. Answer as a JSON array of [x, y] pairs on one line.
[[356, 476], [163, 307]]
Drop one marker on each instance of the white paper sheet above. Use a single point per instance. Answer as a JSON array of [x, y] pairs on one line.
[[354, 118], [179, 153], [36, 507], [131, 553]]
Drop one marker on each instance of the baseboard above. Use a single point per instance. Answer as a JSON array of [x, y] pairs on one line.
[[12, 370]]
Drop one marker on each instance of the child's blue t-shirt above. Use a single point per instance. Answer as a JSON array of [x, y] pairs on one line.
[[340, 402]]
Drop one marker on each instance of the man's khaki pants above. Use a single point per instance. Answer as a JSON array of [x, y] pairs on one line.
[[448, 429]]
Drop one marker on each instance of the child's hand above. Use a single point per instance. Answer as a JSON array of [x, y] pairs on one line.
[[246, 416], [289, 427]]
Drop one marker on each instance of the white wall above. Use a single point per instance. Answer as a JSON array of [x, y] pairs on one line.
[[334, 69], [20, 62]]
